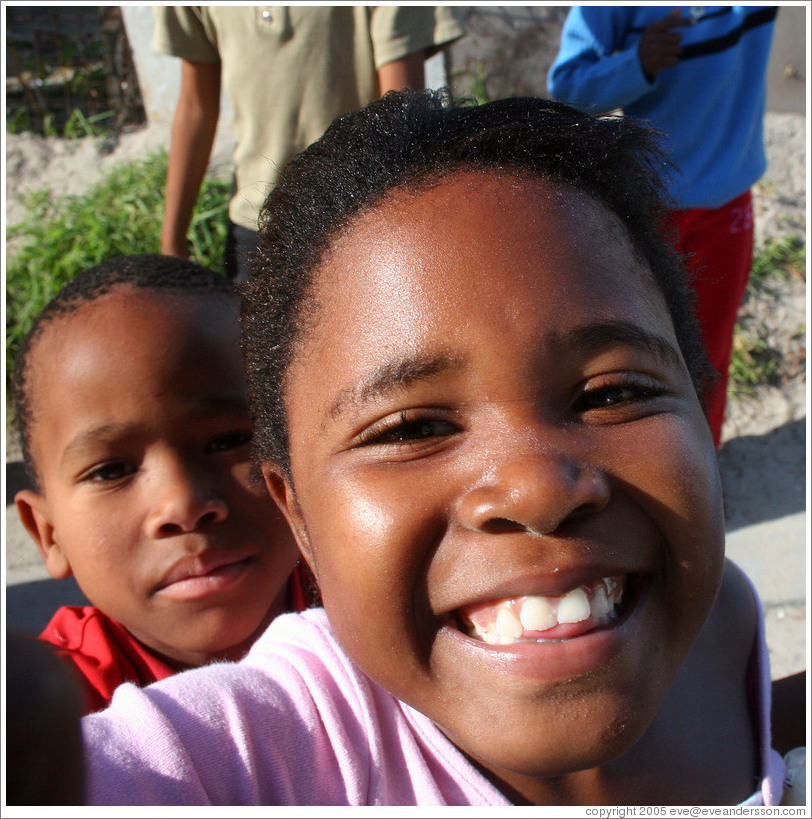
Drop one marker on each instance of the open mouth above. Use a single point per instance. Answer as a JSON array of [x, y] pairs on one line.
[[546, 618]]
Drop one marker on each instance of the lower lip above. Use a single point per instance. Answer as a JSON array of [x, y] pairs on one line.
[[214, 582], [552, 660]]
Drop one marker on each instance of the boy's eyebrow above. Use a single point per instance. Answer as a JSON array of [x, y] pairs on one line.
[[91, 437], [391, 376], [593, 338], [105, 433]]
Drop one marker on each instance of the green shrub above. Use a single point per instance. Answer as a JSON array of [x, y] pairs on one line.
[[121, 214], [752, 361], [779, 258]]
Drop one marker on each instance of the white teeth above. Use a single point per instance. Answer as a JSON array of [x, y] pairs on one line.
[[574, 607], [507, 626], [600, 603], [612, 588], [506, 622], [537, 614]]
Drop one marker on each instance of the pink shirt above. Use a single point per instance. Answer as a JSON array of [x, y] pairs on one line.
[[294, 723]]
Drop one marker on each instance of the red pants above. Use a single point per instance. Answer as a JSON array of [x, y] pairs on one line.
[[719, 246]]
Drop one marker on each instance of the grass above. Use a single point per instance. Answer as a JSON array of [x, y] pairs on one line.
[[753, 362], [121, 214], [779, 258]]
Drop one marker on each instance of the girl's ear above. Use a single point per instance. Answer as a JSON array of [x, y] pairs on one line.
[[34, 514], [281, 490]]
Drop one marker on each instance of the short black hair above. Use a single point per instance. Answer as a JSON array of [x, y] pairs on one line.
[[145, 271], [408, 140]]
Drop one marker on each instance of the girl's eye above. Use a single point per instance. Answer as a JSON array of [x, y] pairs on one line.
[[229, 441], [110, 472], [617, 393], [403, 429]]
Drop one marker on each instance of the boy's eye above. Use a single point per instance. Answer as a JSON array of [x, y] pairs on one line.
[[603, 393], [111, 471], [229, 441], [406, 427]]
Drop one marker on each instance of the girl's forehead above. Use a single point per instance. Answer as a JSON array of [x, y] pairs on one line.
[[424, 260], [412, 232], [449, 206]]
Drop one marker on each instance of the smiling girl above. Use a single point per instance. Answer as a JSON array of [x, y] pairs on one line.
[[474, 377]]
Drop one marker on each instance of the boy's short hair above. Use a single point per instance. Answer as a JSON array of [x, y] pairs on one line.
[[144, 271], [407, 141]]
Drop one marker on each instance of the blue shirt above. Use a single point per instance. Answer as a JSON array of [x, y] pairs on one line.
[[710, 105]]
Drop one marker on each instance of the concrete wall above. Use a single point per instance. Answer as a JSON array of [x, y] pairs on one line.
[[786, 76], [507, 51]]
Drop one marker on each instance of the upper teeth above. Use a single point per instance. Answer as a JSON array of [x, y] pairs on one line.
[[505, 621], [537, 614]]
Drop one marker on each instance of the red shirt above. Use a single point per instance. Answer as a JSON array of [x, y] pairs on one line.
[[103, 651], [107, 655]]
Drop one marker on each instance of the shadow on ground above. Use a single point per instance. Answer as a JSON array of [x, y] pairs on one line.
[[29, 606], [16, 479], [764, 476]]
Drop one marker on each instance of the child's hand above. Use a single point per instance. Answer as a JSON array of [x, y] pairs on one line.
[[660, 46]]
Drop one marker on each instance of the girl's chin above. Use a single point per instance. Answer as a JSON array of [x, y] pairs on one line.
[[572, 740]]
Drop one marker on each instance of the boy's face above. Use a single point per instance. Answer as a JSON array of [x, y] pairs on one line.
[[491, 406], [141, 436]]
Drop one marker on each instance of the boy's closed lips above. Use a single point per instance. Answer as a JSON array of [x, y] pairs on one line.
[[204, 574]]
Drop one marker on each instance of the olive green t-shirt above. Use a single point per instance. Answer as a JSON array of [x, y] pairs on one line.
[[290, 70]]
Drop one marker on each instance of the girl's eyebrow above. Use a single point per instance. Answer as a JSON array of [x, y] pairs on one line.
[[391, 376], [588, 339], [596, 337]]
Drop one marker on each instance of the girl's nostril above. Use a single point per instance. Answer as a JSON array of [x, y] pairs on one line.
[[498, 526]]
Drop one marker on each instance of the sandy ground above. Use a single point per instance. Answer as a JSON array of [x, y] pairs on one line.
[[763, 461]]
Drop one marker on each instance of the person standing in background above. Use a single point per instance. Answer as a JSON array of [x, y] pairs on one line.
[[698, 74], [289, 71]]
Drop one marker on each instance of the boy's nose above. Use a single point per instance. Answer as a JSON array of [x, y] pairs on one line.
[[534, 492], [184, 502]]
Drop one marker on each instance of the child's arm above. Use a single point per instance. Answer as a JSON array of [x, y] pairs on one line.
[[193, 130], [408, 72], [601, 65], [789, 718]]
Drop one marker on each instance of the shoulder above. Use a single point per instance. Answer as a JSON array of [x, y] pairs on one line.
[[415, 27], [295, 701], [737, 587], [198, 33], [733, 625], [302, 651], [86, 638], [70, 626]]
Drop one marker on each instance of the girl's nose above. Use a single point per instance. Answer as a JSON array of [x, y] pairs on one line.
[[183, 502], [535, 493]]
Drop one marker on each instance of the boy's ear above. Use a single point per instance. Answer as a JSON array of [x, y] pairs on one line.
[[33, 511], [281, 490]]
